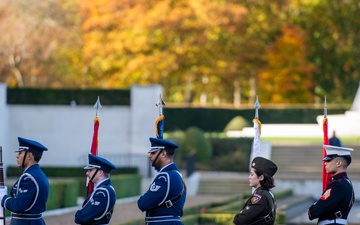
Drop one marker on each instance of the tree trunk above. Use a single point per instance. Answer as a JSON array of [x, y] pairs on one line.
[[15, 70], [237, 94]]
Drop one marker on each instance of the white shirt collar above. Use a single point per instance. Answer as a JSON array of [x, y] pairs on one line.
[[102, 181]]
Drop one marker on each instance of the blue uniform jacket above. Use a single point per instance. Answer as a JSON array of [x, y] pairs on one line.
[[98, 207], [336, 201], [166, 185], [28, 197]]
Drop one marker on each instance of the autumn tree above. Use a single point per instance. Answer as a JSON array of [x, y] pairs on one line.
[[288, 76], [180, 44], [32, 36], [221, 51], [332, 41]]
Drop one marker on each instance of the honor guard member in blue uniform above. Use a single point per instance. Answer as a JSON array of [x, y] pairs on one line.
[[260, 208], [336, 201], [164, 200], [98, 207], [30, 192]]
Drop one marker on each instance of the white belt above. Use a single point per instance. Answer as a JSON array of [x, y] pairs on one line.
[[339, 221]]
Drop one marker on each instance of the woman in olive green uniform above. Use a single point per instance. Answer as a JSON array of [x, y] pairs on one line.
[[260, 208]]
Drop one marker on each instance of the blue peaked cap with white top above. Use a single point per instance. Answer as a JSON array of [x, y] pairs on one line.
[[158, 144], [100, 163], [30, 145]]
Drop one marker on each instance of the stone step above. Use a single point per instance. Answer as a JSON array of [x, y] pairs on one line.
[[293, 205], [295, 161], [304, 160]]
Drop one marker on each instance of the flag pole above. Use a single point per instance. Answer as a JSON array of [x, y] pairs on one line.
[[3, 190], [257, 129], [255, 151], [95, 140], [159, 123], [325, 176]]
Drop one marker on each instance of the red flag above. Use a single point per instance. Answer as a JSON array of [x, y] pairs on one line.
[[94, 150], [325, 176], [95, 141]]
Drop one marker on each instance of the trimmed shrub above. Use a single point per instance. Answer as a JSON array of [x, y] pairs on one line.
[[230, 154], [53, 201], [237, 123], [14, 171], [195, 142], [63, 193], [126, 185], [70, 192]]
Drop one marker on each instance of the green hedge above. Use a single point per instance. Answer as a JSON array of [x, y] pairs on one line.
[[216, 119], [125, 185], [229, 154], [46, 96], [54, 200], [217, 212], [222, 213], [14, 171], [69, 193], [191, 219], [65, 191]]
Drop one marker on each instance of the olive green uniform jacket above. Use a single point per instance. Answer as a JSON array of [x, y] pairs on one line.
[[259, 209]]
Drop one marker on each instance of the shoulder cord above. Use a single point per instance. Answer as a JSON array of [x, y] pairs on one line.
[[267, 217], [109, 213], [170, 203]]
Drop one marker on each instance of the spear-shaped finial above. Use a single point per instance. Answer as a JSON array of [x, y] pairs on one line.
[[257, 107], [160, 103], [97, 106], [325, 109]]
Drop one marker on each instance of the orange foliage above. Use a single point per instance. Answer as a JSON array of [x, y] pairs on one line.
[[288, 76]]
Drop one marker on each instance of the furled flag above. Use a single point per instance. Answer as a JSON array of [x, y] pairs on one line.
[[3, 190], [325, 176], [95, 141], [159, 123], [257, 128]]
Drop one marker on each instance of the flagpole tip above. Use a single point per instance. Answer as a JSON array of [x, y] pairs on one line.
[[325, 108], [160, 102], [257, 104], [98, 104]]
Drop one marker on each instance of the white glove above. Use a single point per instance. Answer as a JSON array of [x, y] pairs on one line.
[[3, 192]]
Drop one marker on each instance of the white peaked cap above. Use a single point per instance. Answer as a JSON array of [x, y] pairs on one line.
[[334, 151]]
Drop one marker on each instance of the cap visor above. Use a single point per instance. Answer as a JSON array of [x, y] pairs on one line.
[[20, 150], [156, 148], [153, 150], [88, 167], [330, 157]]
